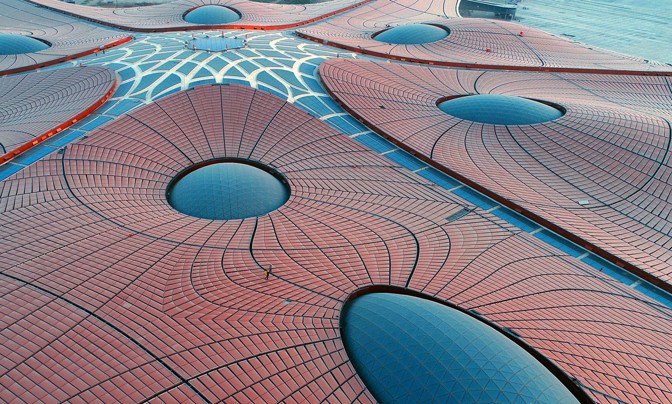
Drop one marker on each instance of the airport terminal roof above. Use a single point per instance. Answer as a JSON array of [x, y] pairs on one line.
[[115, 295], [601, 171], [68, 37], [472, 42], [35, 106], [144, 256], [170, 16]]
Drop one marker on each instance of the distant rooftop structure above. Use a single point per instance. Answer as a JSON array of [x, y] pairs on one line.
[[34, 37], [178, 15], [503, 9], [348, 201], [472, 43]]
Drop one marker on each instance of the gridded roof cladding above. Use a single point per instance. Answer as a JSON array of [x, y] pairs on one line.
[[500, 109], [409, 349], [224, 190], [13, 44], [291, 1], [412, 34], [211, 15]]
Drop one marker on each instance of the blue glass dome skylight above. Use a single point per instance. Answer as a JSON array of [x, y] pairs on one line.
[[12, 44], [228, 190], [211, 15], [500, 109], [408, 349], [412, 34]]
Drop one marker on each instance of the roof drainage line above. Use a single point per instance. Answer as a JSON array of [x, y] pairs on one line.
[[445, 258], [665, 286], [485, 66], [179, 28], [263, 132], [200, 123], [115, 328], [67, 58], [417, 258], [251, 250], [148, 399], [669, 83], [158, 104], [667, 150], [320, 250], [467, 267], [349, 242], [417, 244]]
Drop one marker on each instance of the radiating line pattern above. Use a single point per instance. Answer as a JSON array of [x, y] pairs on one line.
[[155, 65], [33, 104], [66, 35], [169, 16], [602, 171], [472, 41], [91, 242]]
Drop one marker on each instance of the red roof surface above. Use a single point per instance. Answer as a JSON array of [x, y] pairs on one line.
[[615, 158], [35, 106], [69, 37], [472, 42], [169, 16], [108, 293]]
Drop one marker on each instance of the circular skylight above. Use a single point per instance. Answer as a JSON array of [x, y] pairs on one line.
[[412, 34], [211, 15], [409, 349], [12, 44], [224, 190], [500, 109]]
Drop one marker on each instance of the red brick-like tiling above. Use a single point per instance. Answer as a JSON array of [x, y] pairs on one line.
[[36, 106], [69, 37], [614, 157], [472, 42], [172, 307], [170, 16]]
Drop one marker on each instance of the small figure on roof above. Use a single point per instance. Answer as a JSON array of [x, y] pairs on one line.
[[267, 272]]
